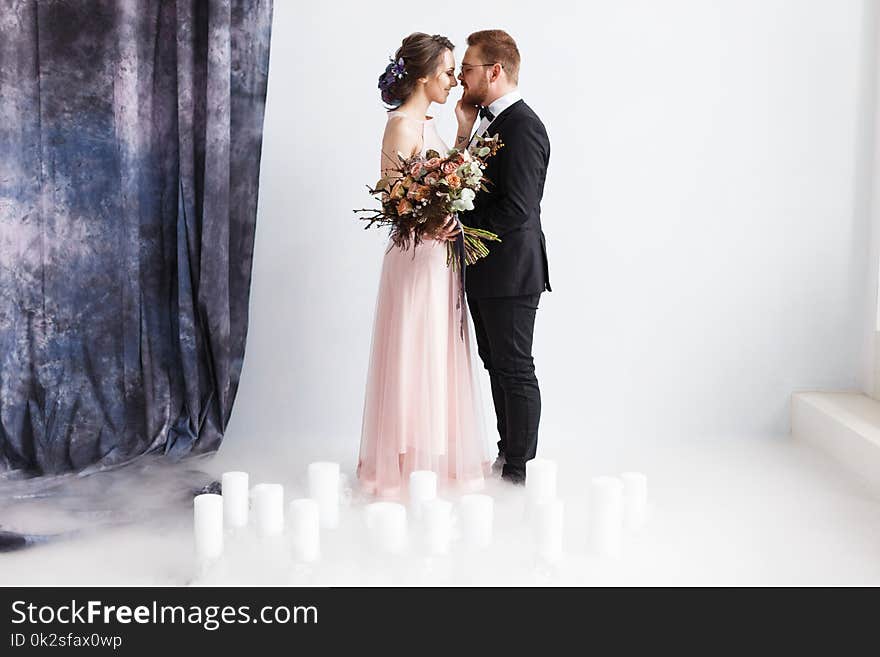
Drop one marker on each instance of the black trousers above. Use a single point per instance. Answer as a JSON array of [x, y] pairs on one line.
[[504, 327]]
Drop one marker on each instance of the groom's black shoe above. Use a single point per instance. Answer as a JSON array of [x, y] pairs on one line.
[[514, 475], [515, 479], [499, 463]]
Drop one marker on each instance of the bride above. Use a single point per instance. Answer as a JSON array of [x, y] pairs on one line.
[[422, 407]]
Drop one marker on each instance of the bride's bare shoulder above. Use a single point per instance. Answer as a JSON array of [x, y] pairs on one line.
[[401, 135], [400, 126]]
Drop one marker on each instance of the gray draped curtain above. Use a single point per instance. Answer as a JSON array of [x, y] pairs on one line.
[[130, 137]]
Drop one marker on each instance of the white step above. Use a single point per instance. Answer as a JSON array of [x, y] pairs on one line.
[[846, 425]]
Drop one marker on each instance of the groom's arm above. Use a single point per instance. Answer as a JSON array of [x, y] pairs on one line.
[[514, 198]]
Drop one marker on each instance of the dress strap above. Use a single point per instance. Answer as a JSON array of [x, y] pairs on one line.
[[406, 116]]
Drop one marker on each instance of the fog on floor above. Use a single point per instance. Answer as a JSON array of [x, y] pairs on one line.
[[738, 511]]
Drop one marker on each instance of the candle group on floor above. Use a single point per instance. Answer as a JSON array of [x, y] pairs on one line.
[[231, 511], [432, 519], [617, 507]]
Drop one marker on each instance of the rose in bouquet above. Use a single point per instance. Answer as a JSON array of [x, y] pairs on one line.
[[422, 193]]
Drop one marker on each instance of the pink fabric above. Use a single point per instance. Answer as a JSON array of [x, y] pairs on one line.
[[422, 406]]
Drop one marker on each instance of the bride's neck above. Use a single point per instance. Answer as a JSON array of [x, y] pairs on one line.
[[416, 107]]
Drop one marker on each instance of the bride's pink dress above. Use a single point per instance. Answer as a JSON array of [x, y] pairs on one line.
[[422, 407]]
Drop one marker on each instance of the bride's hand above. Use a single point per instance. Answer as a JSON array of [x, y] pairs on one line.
[[466, 115], [449, 230]]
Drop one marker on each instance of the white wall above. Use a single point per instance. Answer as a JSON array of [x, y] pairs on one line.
[[705, 210], [868, 194]]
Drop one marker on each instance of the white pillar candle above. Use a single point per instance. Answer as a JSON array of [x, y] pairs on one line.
[[370, 511], [437, 525], [635, 500], [208, 526], [606, 516], [269, 509], [540, 481], [548, 529], [422, 488], [476, 511], [324, 489], [235, 499], [386, 522], [305, 528]]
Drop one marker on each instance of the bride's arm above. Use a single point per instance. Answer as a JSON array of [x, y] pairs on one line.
[[400, 137], [466, 117]]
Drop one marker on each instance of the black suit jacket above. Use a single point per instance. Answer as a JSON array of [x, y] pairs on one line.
[[512, 209]]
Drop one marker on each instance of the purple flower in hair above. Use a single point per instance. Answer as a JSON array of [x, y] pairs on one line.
[[397, 68], [392, 73]]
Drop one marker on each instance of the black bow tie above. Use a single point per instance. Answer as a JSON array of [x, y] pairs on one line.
[[484, 112]]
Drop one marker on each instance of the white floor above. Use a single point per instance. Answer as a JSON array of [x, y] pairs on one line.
[[738, 511]]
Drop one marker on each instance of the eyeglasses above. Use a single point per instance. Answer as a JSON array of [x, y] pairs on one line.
[[467, 67]]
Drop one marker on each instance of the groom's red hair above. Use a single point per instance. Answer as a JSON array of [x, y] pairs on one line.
[[498, 46]]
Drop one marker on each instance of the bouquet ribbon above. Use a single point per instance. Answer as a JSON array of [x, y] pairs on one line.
[[462, 264]]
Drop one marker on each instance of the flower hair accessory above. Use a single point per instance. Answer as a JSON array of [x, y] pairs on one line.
[[393, 72], [396, 68]]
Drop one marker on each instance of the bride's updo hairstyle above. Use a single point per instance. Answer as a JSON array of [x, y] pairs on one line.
[[416, 58]]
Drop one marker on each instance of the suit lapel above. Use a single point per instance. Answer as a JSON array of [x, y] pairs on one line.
[[493, 127]]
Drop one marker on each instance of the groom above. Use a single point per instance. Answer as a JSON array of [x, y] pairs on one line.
[[504, 288]]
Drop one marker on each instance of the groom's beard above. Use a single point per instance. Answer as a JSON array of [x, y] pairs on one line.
[[475, 95]]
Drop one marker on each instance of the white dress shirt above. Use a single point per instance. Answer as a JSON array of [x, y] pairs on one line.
[[496, 108]]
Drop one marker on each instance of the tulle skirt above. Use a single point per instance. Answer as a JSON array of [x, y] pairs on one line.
[[422, 405]]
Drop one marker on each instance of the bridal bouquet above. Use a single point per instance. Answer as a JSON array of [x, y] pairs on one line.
[[424, 192]]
